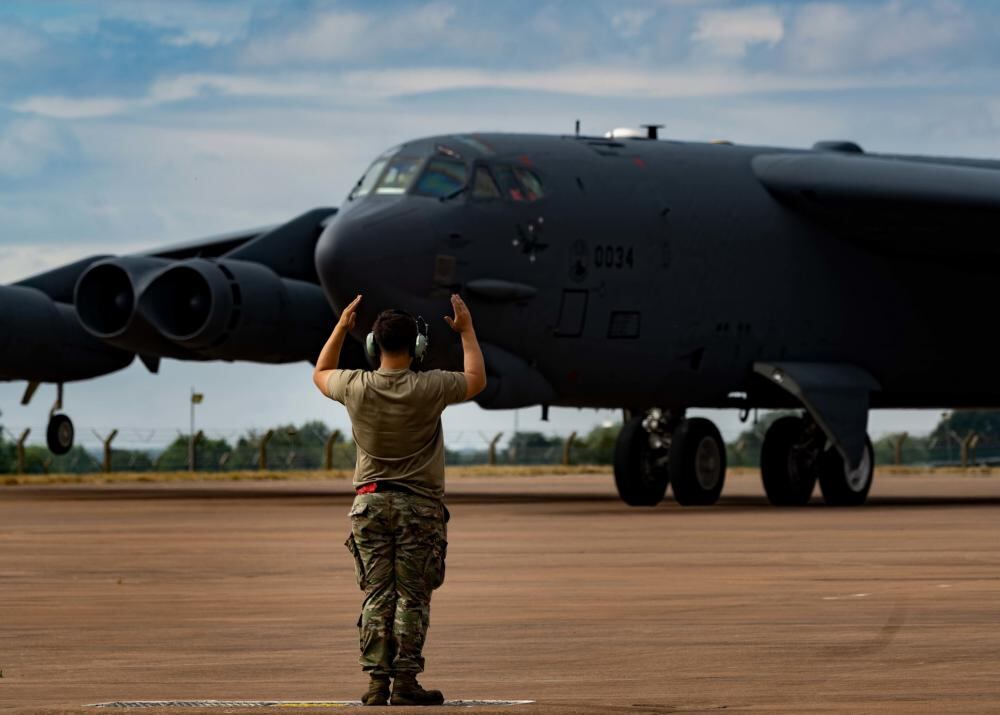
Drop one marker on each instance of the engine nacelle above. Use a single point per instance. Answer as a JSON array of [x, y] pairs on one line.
[[42, 340], [237, 310], [511, 382], [106, 300]]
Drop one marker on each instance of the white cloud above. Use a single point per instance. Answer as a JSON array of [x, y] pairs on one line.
[[728, 33], [372, 85], [21, 260], [18, 45], [28, 146], [830, 36], [204, 38], [73, 108], [336, 35], [629, 21]]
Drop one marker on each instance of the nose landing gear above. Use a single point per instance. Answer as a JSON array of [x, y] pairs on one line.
[[656, 449]]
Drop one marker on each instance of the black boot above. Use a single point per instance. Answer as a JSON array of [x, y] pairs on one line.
[[407, 691], [378, 691]]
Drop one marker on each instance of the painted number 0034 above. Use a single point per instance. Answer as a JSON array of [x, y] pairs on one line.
[[613, 256]]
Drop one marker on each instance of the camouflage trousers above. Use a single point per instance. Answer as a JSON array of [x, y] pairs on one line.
[[399, 543]]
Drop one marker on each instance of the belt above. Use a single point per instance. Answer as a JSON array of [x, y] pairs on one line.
[[383, 486]]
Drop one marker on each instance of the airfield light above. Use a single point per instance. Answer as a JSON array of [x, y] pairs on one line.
[[196, 398]]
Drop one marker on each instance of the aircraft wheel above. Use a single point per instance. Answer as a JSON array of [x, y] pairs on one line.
[[697, 462], [788, 462], [59, 434], [842, 486], [640, 467]]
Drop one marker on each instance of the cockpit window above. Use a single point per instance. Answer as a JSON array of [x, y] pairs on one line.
[[483, 185], [398, 175], [442, 177], [367, 181], [531, 183], [508, 184]]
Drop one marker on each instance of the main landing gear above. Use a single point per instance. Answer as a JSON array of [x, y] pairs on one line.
[[656, 448], [796, 454]]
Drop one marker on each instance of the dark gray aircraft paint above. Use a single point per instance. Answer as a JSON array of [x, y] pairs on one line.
[[634, 273]]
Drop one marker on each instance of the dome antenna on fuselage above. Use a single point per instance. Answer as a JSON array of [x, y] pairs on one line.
[[647, 131]]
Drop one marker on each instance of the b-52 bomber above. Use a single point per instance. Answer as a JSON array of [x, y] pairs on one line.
[[617, 271]]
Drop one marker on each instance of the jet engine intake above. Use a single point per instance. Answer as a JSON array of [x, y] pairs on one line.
[[105, 297]]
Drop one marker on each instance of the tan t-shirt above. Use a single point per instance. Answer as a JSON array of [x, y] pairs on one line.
[[396, 421]]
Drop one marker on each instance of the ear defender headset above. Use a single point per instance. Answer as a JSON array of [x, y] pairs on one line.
[[419, 348]]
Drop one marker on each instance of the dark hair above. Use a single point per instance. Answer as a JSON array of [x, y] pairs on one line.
[[395, 331]]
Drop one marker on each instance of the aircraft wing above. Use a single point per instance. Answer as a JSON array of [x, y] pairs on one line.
[[900, 202], [249, 295]]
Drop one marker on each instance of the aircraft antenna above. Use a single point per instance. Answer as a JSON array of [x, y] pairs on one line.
[[652, 130]]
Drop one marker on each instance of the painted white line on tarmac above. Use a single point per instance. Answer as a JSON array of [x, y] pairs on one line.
[[278, 703], [841, 598]]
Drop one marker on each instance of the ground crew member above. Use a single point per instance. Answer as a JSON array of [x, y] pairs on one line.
[[398, 532]]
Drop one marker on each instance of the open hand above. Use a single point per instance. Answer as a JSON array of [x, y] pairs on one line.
[[462, 322], [349, 316]]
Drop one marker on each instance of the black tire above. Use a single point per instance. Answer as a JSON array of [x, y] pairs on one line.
[[59, 434], [641, 474], [841, 487], [786, 466], [697, 462]]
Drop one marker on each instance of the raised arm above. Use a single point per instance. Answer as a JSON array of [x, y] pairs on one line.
[[475, 369], [329, 356]]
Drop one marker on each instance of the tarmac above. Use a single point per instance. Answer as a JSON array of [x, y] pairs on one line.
[[556, 593]]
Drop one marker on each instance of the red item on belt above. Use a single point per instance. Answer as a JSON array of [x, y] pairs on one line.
[[367, 488]]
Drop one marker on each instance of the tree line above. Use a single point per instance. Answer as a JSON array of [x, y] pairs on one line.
[[974, 433]]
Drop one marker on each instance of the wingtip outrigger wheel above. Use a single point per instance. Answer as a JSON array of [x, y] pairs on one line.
[[59, 433]]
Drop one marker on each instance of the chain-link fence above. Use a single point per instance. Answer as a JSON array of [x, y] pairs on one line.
[[963, 438], [310, 446]]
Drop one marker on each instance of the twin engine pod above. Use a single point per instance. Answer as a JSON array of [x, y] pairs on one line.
[[41, 340], [210, 309]]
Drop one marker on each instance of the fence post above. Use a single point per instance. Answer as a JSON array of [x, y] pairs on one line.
[[106, 466], [897, 447], [491, 455], [20, 449], [193, 450], [973, 443], [567, 445], [328, 449], [262, 455], [966, 444]]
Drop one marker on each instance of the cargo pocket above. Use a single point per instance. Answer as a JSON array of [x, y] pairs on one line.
[[359, 566], [438, 556], [357, 510]]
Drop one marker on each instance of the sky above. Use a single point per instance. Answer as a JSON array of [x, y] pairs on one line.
[[126, 125]]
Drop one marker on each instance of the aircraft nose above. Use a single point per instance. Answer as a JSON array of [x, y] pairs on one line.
[[380, 254]]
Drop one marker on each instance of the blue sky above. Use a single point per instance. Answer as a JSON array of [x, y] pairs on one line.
[[128, 124]]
